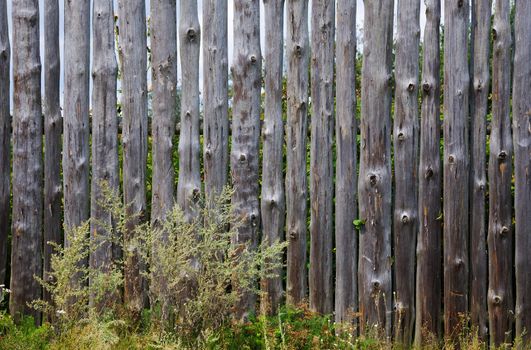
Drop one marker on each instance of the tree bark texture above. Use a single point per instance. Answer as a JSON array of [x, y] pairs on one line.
[[272, 200], [298, 53], [374, 186], [456, 162], [500, 295], [406, 144], [26, 249], [133, 59], [246, 72], [53, 124], [5, 140], [215, 96], [321, 166], [429, 239], [481, 17], [105, 170], [346, 288], [164, 81], [189, 186], [76, 131], [522, 164]]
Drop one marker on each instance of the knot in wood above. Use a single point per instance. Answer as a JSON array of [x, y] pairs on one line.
[[401, 136], [504, 231], [188, 114], [411, 87], [252, 58], [460, 3], [375, 285], [373, 179], [426, 87], [195, 194], [405, 219], [272, 202], [429, 173], [496, 300], [451, 159], [242, 158], [252, 217], [293, 235], [208, 153], [502, 155], [494, 34], [191, 34], [298, 51]]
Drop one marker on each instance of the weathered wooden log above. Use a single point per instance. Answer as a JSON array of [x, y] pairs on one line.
[[500, 296], [272, 199], [480, 47], [53, 135], [215, 96], [429, 239], [189, 186], [405, 141], [321, 166], [133, 60], [26, 249], [5, 140], [164, 81], [374, 185], [76, 132], [346, 288], [456, 162], [522, 165], [298, 53], [105, 170], [246, 72]]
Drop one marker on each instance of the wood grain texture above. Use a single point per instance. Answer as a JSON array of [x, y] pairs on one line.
[[273, 198], [26, 248], [298, 54]]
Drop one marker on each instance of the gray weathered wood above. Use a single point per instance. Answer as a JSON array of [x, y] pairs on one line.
[[374, 183], [480, 47], [246, 72], [5, 140], [500, 296], [298, 53], [53, 124], [133, 60], [76, 132], [164, 81], [456, 171], [215, 96], [346, 288], [321, 167], [429, 239], [189, 186], [405, 141], [26, 249], [104, 135], [522, 164], [272, 200]]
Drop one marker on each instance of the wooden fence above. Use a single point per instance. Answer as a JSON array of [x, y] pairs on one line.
[[404, 227]]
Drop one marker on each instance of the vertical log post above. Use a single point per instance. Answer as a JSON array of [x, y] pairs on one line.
[[522, 165], [5, 139], [481, 13], [133, 58], [298, 53], [429, 250], [500, 296], [321, 166], [76, 133], [272, 202], [405, 141], [374, 185], [164, 81], [52, 134], [26, 249], [346, 288], [456, 172], [246, 72], [215, 96], [189, 186], [104, 136]]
